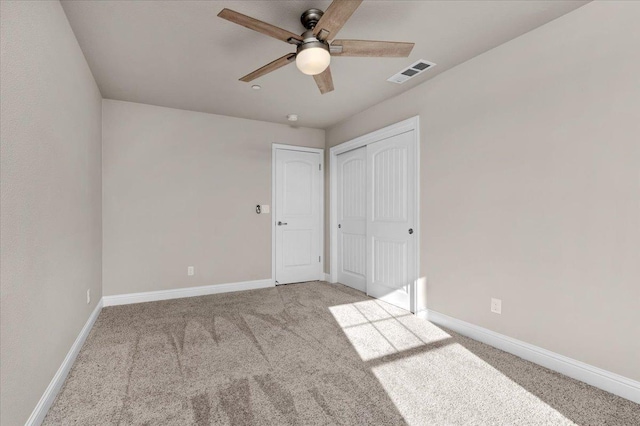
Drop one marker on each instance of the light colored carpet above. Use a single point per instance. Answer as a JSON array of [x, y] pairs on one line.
[[308, 354]]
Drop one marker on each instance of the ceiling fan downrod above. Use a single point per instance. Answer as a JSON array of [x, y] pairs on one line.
[[310, 18]]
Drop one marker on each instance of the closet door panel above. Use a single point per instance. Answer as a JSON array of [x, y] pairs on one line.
[[390, 219], [352, 186]]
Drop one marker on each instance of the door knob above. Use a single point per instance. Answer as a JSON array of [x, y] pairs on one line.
[[281, 223], [410, 231]]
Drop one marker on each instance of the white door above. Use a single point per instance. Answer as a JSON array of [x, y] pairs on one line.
[[352, 220], [391, 219], [297, 216]]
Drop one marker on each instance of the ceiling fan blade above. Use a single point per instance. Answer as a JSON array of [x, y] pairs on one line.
[[338, 12], [271, 66], [324, 81], [389, 49], [257, 25]]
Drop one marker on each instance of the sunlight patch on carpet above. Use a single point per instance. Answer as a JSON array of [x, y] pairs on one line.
[[376, 329]]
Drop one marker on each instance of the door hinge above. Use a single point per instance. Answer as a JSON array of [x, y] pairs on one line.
[[319, 166], [319, 258]]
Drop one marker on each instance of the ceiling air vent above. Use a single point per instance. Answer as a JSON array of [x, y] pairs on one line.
[[413, 70]]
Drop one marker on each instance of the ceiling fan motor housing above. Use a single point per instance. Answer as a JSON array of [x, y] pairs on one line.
[[310, 18], [310, 41]]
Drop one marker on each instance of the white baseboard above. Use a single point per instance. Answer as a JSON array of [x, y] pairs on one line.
[[178, 293], [327, 277], [40, 411], [594, 376], [49, 395]]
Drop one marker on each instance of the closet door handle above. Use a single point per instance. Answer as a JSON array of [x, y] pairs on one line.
[[282, 223]]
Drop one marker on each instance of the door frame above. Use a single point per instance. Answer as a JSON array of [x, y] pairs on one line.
[[275, 147], [410, 124]]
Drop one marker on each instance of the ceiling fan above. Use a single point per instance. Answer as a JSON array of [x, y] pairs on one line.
[[314, 50]]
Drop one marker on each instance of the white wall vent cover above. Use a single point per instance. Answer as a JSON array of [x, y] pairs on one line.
[[413, 70]]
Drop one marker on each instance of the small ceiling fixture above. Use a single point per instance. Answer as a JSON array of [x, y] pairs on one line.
[[256, 87], [292, 117]]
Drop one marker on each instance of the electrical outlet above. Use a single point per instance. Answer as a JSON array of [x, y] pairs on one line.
[[191, 271], [88, 296], [496, 306]]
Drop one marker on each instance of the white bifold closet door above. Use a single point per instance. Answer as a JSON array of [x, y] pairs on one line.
[[391, 240], [352, 220]]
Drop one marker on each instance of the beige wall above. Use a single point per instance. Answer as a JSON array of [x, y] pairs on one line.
[[530, 185], [180, 189], [50, 198]]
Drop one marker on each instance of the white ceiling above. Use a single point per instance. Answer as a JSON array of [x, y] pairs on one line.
[[179, 54]]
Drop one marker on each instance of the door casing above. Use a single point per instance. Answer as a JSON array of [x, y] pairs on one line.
[[411, 124], [274, 148]]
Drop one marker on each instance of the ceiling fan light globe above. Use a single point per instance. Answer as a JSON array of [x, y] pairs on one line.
[[313, 61]]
